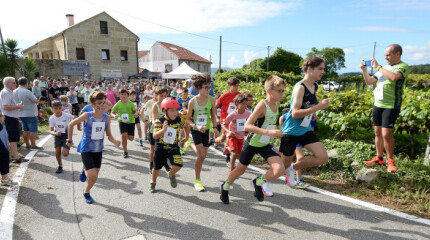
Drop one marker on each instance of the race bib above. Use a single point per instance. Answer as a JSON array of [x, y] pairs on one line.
[[135, 104], [306, 120], [201, 120], [124, 117], [98, 130], [265, 138], [378, 92], [169, 135], [231, 108], [240, 124], [61, 127]]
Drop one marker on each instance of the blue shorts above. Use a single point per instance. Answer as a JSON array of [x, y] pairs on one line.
[[29, 124]]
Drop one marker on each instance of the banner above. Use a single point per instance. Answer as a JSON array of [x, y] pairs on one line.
[[76, 68], [111, 73]]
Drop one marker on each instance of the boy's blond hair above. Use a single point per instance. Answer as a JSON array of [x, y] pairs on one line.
[[274, 81], [63, 98]]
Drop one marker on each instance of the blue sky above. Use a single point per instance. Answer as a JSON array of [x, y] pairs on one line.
[[296, 26]]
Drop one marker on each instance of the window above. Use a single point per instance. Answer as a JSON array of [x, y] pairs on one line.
[[103, 27], [124, 56], [198, 67], [80, 54], [168, 67], [105, 54]]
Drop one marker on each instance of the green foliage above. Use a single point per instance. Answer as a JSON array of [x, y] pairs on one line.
[[12, 52], [256, 75], [280, 61], [4, 65], [334, 59], [29, 68], [420, 69]]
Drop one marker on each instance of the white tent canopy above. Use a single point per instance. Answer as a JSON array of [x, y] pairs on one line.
[[182, 72]]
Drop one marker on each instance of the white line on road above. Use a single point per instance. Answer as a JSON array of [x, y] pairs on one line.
[[348, 199], [7, 214]]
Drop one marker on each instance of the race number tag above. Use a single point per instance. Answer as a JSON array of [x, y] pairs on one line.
[[201, 120], [231, 108], [379, 92], [218, 112], [265, 138], [169, 135], [124, 117], [240, 124], [135, 104], [61, 127], [306, 121], [98, 130]]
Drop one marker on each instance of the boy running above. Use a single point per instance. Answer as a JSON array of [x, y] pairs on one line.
[[132, 97]]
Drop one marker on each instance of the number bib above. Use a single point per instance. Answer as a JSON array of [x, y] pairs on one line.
[[124, 117], [240, 124], [378, 93], [61, 127], [201, 120], [231, 108], [265, 138], [98, 130], [306, 121], [170, 135]]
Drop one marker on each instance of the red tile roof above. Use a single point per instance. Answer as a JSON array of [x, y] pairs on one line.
[[182, 53], [142, 53]]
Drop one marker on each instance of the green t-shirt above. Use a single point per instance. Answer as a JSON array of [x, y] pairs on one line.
[[125, 111], [392, 90]]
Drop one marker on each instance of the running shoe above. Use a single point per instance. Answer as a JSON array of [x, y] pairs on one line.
[[88, 198], [390, 165], [140, 142], [199, 186], [125, 155], [266, 190], [258, 190], [82, 176], [7, 182], [374, 161], [173, 181], [36, 148], [224, 194], [302, 184], [211, 142], [152, 187], [59, 169], [290, 172], [182, 151]]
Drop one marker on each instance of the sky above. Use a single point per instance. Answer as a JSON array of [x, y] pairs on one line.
[[247, 27]]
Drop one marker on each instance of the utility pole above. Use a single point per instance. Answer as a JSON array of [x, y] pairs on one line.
[[268, 52], [220, 45], [2, 42], [374, 47]]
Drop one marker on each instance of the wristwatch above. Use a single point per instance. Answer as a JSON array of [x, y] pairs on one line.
[[69, 141], [378, 67]]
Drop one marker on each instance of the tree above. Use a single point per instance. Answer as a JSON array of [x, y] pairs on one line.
[[281, 61], [334, 59], [257, 63], [12, 52], [29, 68], [4, 65]]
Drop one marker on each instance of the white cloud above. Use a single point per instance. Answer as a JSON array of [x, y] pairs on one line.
[[144, 45], [231, 63], [383, 29], [348, 51], [417, 53], [37, 20], [249, 56]]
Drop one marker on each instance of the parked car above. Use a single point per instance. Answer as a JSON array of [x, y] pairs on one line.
[[331, 86]]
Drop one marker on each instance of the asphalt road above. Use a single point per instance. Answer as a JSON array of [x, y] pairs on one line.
[[51, 206]]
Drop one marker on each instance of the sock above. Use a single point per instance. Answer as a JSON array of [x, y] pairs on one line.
[[261, 180], [226, 185], [299, 178], [380, 158], [60, 166], [86, 192], [197, 180]]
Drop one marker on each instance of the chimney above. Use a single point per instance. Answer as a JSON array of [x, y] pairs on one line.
[[70, 20]]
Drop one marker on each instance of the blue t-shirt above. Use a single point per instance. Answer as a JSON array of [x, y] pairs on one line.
[[87, 108], [181, 101]]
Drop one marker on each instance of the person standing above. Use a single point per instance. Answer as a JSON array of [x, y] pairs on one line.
[[44, 86], [11, 114], [28, 114], [54, 92], [37, 91], [388, 95]]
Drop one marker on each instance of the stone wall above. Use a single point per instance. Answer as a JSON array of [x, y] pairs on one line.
[[50, 68]]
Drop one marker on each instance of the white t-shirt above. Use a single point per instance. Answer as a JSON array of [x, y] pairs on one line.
[[60, 124]]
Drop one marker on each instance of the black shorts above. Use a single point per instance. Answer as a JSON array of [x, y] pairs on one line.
[[161, 155], [249, 151], [60, 141], [126, 128], [218, 127], [12, 128], [91, 160], [289, 142], [137, 120], [200, 138], [151, 138], [385, 117], [80, 100]]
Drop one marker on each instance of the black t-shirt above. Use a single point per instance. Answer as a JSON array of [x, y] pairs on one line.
[[56, 92], [64, 90]]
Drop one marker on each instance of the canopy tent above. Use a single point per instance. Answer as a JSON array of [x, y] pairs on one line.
[[182, 72]]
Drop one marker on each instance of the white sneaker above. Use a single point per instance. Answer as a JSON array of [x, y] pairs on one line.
[[290, 172], [266, 190], [7, 182]]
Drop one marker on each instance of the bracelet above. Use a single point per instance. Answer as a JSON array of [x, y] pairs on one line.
[[378, 67]]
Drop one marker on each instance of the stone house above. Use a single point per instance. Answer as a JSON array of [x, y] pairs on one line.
[[99, 46], [165, 57]]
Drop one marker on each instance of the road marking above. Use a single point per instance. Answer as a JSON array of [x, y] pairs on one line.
[[347, 199], [7, 214]]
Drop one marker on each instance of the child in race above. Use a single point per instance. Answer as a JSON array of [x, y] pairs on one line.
[[184, 98], [144, 113], [126, 111], [65, 105], [234, 126], [73, 99], [297, 127], [201, 110], [41, 108], [58, 123], [250, 98], [187, 144], [132, 97], [96, 124], [166, 135], [261, 127]]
